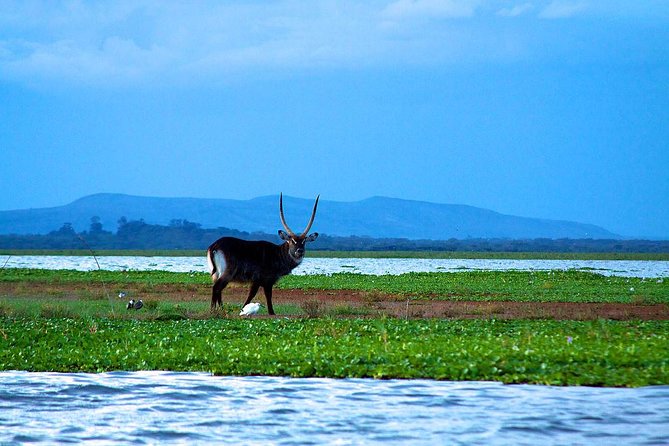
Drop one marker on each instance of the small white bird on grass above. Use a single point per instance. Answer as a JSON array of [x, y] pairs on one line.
[[250, 309]]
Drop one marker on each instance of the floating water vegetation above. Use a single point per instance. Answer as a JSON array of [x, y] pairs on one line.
[[598, 353]]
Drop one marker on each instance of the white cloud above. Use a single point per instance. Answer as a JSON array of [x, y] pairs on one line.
[[130, 42], [516, 10], [560, 9], [401, 9], [144, 41], [115, 61]]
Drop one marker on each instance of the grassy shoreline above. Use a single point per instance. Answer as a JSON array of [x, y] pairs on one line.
[[363, 254], [79, 330]]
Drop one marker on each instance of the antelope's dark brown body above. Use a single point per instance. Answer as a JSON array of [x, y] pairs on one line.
[[259, 263]]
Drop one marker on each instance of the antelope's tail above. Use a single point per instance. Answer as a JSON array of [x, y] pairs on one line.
[[214, 266]]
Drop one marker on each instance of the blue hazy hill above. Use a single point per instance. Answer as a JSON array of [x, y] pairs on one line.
[[373, 217]]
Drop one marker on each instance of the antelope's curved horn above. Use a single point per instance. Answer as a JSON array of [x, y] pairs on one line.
[[313, 215], [283, 219]]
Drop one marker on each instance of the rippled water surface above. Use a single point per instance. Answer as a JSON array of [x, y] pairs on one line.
[[628, 268], [167, 407]]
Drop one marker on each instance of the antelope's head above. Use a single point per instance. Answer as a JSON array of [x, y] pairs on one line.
[[296, 243]]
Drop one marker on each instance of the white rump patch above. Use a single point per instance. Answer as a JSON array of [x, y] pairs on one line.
[[217, 265]]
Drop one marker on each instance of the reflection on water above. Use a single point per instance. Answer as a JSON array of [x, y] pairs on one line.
[[627, 268], [166, 407]]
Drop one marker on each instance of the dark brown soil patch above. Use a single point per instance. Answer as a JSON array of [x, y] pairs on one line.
[[347, 302]]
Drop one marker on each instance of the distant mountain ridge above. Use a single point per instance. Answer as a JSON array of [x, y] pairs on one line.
[[374, 217]]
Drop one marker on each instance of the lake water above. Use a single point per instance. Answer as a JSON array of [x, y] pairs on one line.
[[197, 408], [628, 268]]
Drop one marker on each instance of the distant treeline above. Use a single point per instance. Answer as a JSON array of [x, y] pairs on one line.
[[183, 234]]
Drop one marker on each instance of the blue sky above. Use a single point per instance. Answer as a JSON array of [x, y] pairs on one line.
[[541, 108]]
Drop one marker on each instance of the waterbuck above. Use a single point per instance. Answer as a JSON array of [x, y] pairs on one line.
[[259, 262]]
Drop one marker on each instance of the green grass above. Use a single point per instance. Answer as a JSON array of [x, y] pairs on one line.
[[360, 254], [538, 286], [600, 353], [544, 286], [102, 276], [113, 308]]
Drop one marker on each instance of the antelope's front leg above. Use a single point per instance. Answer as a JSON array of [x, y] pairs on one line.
[[252, 293]]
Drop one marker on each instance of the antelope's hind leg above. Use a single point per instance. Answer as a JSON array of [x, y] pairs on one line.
[[268, 296], [217, 291]]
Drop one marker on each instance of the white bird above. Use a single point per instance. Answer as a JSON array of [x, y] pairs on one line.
[[250, 309], [121, 295]]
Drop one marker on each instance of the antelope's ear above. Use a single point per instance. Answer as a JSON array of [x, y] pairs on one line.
[[312, 237], [284, 235]]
